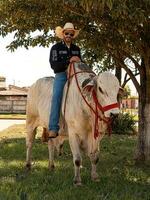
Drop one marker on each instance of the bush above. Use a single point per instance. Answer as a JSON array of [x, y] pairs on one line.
[[124, 124]]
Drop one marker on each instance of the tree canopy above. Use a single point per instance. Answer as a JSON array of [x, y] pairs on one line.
[[111, 30]]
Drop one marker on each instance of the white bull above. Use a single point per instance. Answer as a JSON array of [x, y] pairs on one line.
[[84, 117]]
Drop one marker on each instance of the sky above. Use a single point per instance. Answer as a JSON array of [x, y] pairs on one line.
[[23, 67]]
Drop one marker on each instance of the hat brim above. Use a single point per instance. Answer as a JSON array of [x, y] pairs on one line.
[[59, 32]]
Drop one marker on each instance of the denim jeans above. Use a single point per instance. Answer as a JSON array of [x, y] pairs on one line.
[[59, 83]]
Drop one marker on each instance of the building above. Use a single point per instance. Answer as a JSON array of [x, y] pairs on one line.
[[130, 103], [13, 99]]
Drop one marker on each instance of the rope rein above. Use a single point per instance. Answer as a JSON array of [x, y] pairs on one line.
[[68, 83]]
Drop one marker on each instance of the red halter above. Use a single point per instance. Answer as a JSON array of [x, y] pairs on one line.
[[105, 108], [102, 109]]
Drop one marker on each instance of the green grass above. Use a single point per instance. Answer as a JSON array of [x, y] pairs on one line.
[[120, 178]]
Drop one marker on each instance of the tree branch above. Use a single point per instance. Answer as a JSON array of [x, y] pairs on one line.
[[134, 80], [127, 79], [126, 54], [73, 10], [120, 63]]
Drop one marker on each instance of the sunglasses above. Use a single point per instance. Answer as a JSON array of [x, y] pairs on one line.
[[71, 34]]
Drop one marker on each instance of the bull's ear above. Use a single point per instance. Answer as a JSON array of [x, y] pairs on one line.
[[87, 86], [95, 81]]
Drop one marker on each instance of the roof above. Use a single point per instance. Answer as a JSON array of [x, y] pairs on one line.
[[14, 90], [10, 93]]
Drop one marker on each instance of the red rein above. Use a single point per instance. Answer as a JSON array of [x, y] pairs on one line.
[[97, 104]]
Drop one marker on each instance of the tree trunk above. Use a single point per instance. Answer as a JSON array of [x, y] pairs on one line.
[[143, 147]]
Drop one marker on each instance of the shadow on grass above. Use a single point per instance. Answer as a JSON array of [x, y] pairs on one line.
[[42, 184], [119, 177], [15, 149]]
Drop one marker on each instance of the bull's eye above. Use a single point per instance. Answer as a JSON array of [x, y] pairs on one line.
[[100, 89]]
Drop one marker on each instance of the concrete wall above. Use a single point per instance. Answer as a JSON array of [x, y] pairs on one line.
[[13, 104]]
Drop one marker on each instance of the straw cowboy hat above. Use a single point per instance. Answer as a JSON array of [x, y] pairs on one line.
[[68, 26]]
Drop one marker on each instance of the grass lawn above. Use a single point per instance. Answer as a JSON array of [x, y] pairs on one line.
[[120, 178]]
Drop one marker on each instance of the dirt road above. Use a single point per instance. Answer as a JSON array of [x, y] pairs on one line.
[[5, 123]]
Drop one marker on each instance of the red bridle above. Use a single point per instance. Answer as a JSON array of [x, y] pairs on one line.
[[105, 108], [98, 106]]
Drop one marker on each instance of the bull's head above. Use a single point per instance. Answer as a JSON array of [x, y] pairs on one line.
[[107, 87]]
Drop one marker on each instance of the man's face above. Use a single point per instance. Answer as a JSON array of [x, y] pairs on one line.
[[68, 36]]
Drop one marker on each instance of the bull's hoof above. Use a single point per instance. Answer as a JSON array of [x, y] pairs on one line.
[[77, 183], [51, 167], [95, 177], [28, 166]]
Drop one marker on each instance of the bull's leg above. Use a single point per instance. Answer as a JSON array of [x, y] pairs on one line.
[[94, 157], [77, 160], [58, 142], [52, 144], [51, 153], [59, 146], [31, 132]]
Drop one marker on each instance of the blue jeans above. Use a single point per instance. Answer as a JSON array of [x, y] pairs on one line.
[[59, 83]]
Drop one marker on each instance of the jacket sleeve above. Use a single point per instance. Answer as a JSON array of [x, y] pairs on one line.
[[56, 63]]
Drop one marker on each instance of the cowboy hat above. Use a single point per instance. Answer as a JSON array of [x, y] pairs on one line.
[[68, 26]]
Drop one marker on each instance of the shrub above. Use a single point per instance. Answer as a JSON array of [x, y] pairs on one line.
[[124, 124]]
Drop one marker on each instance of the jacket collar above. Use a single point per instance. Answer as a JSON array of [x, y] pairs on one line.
[[65, 44]]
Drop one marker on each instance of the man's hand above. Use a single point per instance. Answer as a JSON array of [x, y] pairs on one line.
[[75, 59]]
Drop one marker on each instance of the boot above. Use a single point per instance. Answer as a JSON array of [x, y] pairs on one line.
[[52, 134]]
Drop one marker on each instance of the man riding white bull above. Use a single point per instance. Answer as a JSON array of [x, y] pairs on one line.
[[61, 55], [85, 105]]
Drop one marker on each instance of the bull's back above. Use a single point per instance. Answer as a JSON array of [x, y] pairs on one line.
[[38, 101]]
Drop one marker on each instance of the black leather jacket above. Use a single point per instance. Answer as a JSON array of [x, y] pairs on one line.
[[60, 55]]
